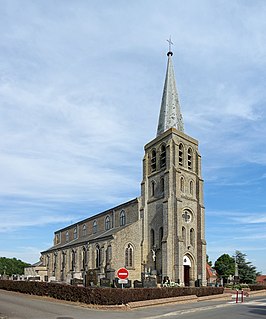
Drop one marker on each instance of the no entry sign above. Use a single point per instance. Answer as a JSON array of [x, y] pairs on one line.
[[122, 273]]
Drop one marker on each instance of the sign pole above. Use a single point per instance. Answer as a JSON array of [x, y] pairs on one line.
[[122, 274]]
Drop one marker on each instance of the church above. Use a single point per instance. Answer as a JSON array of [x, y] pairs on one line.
[[161, 233]]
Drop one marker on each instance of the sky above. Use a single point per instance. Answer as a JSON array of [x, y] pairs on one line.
[[80, 91]]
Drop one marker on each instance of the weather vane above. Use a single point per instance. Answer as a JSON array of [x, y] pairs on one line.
[[170, 43]]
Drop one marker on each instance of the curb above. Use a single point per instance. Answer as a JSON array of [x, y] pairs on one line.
[[162, 301]]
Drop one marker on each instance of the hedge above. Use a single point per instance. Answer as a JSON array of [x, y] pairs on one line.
[[256, 287], [104, 296]]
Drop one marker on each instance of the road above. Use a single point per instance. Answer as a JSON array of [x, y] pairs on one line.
[[19, 306]]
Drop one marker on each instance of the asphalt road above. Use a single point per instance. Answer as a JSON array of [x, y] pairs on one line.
[[19, 306]]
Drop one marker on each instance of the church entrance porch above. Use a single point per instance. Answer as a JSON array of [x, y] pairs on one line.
[[186, 275], [188, 272]]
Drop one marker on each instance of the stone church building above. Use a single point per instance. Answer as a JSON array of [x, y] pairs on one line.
[[160, 233]]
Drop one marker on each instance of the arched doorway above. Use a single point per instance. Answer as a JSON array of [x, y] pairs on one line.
[[187, 267]]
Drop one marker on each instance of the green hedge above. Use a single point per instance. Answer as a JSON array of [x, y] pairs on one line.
[[103, 296], [256, 287]]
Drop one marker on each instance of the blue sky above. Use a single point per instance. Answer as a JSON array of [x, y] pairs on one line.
[[80, 91]]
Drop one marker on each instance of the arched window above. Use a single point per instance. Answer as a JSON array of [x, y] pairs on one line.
[[182, 184], [97, 256], [192, 237], [153, 160], [73, 259], [107, 223], [184, 235], [55, 261], [162, 185], [84, 258], [94, 227], [160, 236], [63, 265], [75, 233], [152, 188], [152, 238], [67, 236], [181, 154], [163, 156], [191, 188], [84, 230], [189, 158], [129, 256], [122, 218]]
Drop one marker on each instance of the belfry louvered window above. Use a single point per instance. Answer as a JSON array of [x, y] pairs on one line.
[[181, 154], [189, 158], [153, 161], [163, 156]]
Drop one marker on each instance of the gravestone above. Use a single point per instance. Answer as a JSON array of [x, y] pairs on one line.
[[105, 282]]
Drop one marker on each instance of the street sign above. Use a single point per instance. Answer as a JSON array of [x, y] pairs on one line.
[[122, 281], [122, 273]]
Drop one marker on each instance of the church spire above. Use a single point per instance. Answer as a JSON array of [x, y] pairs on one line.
[[170, 114]]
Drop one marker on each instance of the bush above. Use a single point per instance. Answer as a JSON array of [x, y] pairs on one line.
[[256, 287], [106, 296]]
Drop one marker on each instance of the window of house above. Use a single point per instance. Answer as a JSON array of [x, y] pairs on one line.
[[84, 230], [107, 222], [122, 218], [75, 233], [189, 158], [153, 161], [129, 256], [94, 227], [163, 156], [181, 154]]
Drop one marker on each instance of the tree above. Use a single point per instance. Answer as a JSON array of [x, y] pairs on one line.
[[225, 266], [11, 266], [246, 271]]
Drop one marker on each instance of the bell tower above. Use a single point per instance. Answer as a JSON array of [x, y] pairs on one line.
[[172, 197]]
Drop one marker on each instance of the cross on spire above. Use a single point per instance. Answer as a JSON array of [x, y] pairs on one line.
[[170, 43]]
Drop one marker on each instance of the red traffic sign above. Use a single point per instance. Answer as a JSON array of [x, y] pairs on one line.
[[122, 273]]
